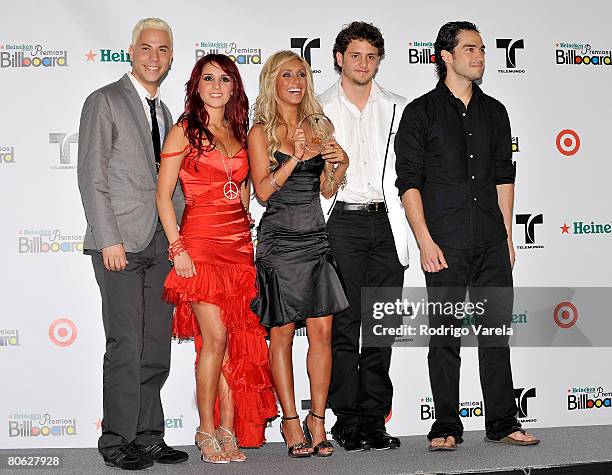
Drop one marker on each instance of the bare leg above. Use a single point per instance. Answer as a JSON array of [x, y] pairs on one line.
[[225, 432], [226, 404], [319, 364], [208, 370], [281, 365]]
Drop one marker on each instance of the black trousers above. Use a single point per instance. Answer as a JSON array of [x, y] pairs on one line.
[[361, 392], [137, 325], [487, 273]]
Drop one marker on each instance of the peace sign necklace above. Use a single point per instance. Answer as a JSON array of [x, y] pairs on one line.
[[230, 189]]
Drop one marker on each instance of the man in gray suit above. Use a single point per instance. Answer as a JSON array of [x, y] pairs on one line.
[[120, 136]]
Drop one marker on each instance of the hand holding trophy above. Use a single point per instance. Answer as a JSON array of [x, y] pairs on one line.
[[319, 130]]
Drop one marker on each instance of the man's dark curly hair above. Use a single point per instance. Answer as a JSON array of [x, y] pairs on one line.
[[358, 30], [447, 40]]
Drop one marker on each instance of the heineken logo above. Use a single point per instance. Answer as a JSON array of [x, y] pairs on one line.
[[582, 227], [108, 56]]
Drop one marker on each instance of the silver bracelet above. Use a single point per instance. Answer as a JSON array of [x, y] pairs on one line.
[[272, 180], [294, 158]]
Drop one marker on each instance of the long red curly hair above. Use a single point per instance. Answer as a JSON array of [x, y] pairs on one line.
[[195, 118]]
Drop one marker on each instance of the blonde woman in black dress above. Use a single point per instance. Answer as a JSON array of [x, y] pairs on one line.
[[298, 280]]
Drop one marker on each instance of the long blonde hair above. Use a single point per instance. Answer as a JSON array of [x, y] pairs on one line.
[[266, 104]]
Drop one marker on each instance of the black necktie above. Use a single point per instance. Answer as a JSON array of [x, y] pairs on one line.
[[154, 131]]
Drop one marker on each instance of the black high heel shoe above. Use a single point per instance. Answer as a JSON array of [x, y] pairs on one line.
[[324, 444], [291, 451]]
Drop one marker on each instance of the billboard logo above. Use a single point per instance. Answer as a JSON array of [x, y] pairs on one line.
[[576, 53], [466, 409], [579, 398], [7, 154], [421, 52], [231, 49], [40, 241], [28, 55], [9, 338], [37, 425]]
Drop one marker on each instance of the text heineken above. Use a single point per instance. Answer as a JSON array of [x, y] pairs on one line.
[[581, 228]]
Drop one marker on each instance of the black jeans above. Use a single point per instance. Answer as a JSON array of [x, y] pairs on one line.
[[138, 326], [361, 392], [486, 272]]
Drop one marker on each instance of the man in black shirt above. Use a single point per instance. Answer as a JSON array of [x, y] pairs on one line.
[[456, 180]]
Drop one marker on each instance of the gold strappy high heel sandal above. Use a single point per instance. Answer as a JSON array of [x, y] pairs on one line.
[[227, 437], [217, 456]]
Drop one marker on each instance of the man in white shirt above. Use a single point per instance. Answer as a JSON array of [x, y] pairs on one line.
[[367, 232], [122, 127]]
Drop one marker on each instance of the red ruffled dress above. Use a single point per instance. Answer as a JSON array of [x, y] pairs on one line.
[[216, 234]]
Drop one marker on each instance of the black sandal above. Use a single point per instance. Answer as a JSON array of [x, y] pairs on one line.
[[324, 444], [291, 451]]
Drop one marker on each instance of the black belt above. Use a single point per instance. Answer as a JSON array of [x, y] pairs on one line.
[[370, 207]]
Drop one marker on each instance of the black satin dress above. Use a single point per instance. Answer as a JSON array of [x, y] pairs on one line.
[[297, 276]]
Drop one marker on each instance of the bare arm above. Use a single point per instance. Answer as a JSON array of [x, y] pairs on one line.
[[166, 183], [336, 164], [259, 162], [505, 200], [432, 258], [245, 194]]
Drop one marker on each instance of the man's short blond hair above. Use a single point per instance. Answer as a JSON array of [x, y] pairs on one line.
[[153, 23]]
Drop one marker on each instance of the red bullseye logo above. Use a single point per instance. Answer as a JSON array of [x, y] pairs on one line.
[[388, 418], [568, 142], [565, 315], [62, 332]]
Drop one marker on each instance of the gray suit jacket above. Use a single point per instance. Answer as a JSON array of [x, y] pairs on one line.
[[116, 169]]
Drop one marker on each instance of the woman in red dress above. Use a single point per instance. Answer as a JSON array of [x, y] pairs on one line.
[[213, 279]]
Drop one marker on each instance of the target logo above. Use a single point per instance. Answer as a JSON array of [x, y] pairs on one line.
[[62, 332], [388, 418], [568, 142], [565, 315]]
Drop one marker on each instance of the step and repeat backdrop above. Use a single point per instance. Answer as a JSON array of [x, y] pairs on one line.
[[549, 63]]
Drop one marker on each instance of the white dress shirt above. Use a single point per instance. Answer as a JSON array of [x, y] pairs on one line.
[[364, 176], [144, 95]]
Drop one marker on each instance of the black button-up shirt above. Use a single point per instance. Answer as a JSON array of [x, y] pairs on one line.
[[455, 156]]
